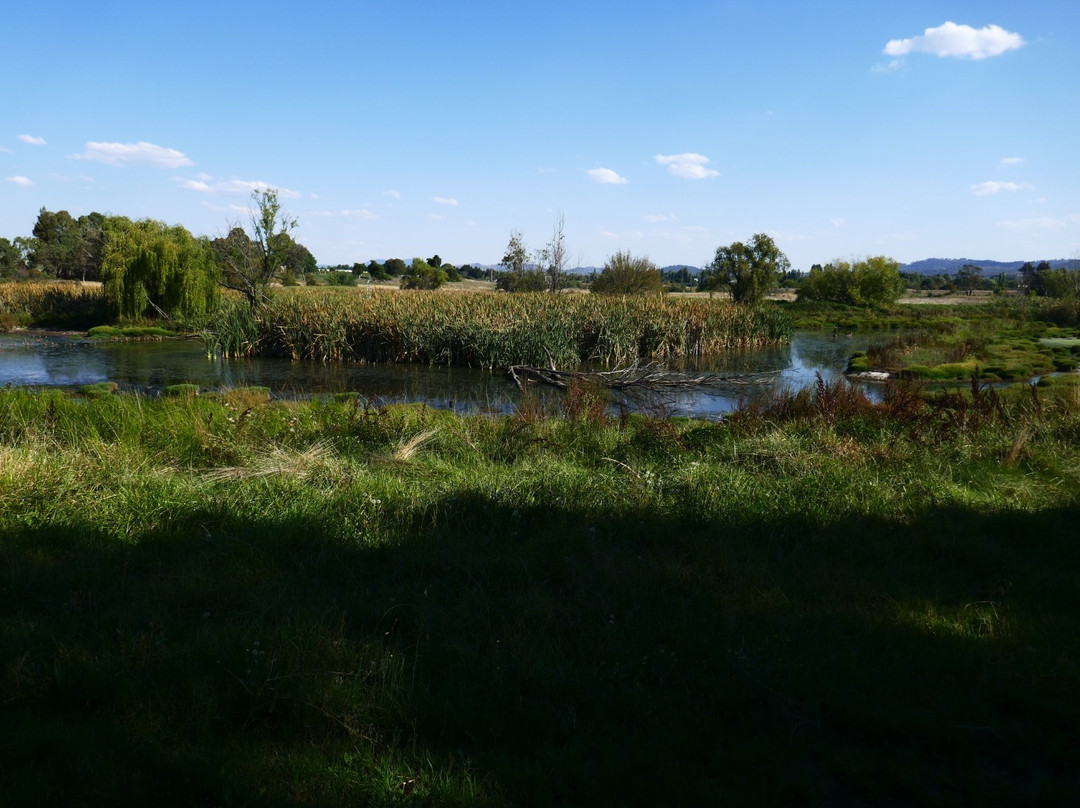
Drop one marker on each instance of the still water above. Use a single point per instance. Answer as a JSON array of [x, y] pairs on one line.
[[52, 360]]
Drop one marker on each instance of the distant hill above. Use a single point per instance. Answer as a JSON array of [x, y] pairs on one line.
[[950, 266]]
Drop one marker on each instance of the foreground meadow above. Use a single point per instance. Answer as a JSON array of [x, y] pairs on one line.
[[227, 601]]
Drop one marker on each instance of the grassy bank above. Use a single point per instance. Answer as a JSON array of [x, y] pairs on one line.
[[225, 601], [486, 329]]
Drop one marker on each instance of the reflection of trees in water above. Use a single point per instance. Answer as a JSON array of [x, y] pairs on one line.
[[62, 361]]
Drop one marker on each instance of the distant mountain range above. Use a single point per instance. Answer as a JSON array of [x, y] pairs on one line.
[[950, 266], [927, 266]]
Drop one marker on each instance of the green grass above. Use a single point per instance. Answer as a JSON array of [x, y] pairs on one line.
[[222, 600]]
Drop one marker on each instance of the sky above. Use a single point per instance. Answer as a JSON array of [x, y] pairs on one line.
[[841, 129]]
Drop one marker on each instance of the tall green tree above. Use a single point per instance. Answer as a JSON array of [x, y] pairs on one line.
[[749, 271], [626, 274], [250, 262], [153, 270], [12, 259]]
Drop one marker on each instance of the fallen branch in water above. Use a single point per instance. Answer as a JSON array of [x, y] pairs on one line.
[[636, 376]]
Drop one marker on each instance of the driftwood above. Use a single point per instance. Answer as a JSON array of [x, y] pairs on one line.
[[635, 377]]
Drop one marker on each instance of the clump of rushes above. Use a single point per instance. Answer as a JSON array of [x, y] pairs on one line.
[[182, 390], [326, 603], [488, 330], [99, 389], [56, 304]]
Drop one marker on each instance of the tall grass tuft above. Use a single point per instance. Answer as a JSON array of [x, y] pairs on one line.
[[51, 304], [488, 330]]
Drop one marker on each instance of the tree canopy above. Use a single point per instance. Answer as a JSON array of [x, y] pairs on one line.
[[250, 262], [749, 271], [873, 281], [151, 269], [626, 274]]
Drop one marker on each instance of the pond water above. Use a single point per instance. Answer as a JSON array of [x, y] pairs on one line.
[[53, 360]]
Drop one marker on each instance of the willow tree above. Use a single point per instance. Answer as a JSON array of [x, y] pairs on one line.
[[749, 271], [153, 270]]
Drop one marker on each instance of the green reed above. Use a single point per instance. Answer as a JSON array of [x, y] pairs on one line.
[[487, 330]]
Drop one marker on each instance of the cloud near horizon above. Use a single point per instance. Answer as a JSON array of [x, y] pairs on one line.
[[121, 154], [22, 182], [605, 176], [992, 187], [203, 184], [33, 141], [958, 41], [1012, 161], [688, 166], [445, 200]]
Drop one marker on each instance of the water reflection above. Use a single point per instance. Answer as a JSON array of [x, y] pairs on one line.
[[49, 360]]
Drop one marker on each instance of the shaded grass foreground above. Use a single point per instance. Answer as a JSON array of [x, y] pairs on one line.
[[487, 329], [224, 601]]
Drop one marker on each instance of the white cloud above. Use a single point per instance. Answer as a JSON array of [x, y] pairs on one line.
[[1012, 161], [120, 154], [689, 166], [605, 176], [445, 200], [960, 41], [5, 150], [435, 217], [1039, 223], [203, 184], [360, 213], [992, 187], [33, 141], [839, 221], [348, 213], [655, 218], [25, 182], [891, 67], [394, 194]]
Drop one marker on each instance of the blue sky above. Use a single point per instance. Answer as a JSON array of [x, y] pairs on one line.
[[914, 130]]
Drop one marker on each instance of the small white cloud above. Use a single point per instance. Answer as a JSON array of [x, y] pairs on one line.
[[5, 150], [121, 154], [891, 67], [839, 221], [24, 182], [33, 141], [361, 213], [1012, 161], [392, 194], [435, 217], [655, 218], [688, 166], [445, 200], [605, 176], [959, 41], [992, 187], [1036, 223], [247, 187]]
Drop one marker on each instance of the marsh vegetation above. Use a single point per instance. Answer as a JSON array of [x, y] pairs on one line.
[[820, 600]]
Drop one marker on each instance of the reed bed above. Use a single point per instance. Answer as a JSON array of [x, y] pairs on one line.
[[487, 330], [54, 304]]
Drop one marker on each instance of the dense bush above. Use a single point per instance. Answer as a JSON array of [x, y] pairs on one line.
[[873, 281]]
